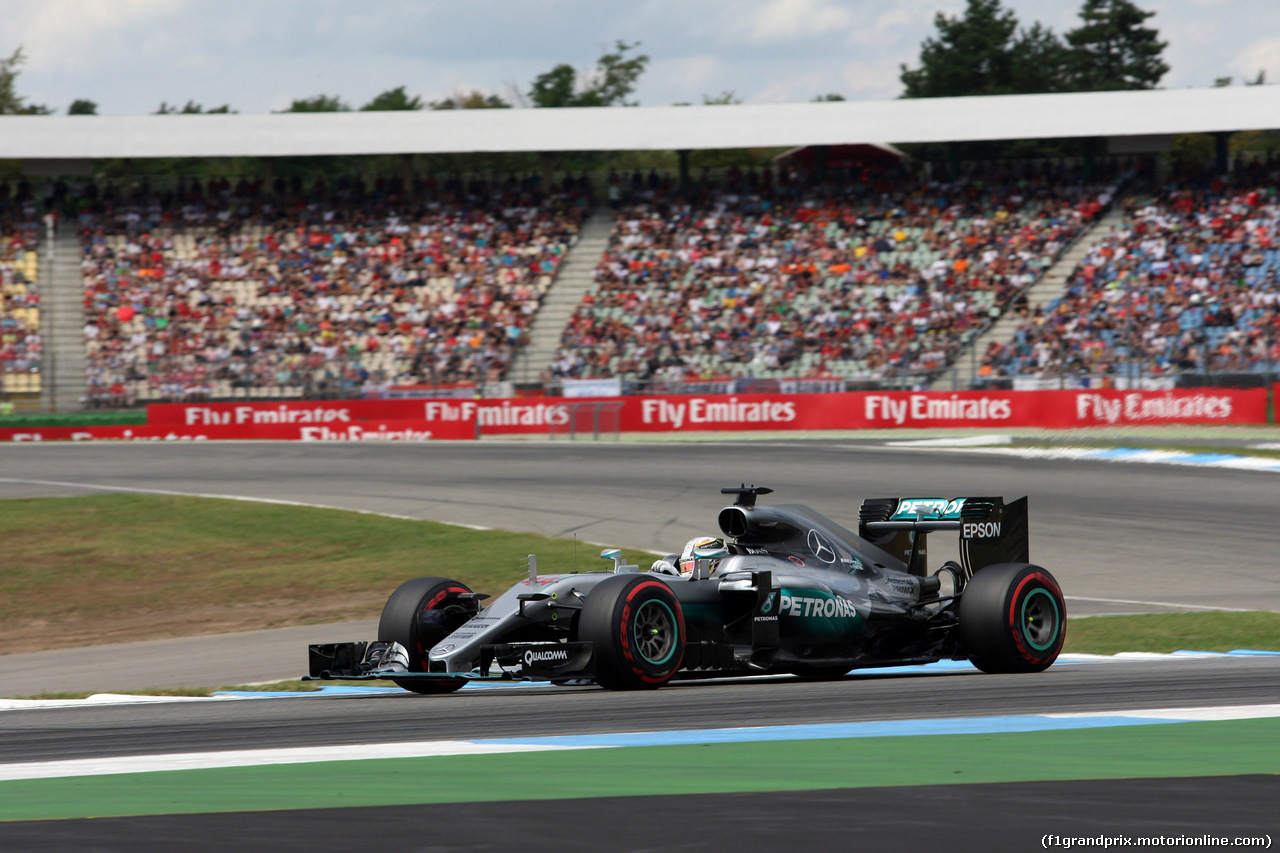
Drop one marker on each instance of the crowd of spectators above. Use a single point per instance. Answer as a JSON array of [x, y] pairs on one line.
[[209, 289], [883, 273], [221, 290], [1190, 282], [224, 290], [20, 343]]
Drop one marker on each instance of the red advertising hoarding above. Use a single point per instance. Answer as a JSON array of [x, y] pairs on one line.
[[286, 412], [368, 430], [872, 410], [418, 420]]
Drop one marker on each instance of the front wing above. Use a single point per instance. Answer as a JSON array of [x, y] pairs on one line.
[[551, 661]]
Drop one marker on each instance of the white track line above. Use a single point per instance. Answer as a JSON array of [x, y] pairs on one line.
[[105, 699], [1202, 714], [954, 441], [279, 501], [254, 758], [1209, 607]]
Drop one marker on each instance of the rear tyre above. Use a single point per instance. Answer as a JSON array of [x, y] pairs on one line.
[[1012, 618], [636, 627], [419, 614]]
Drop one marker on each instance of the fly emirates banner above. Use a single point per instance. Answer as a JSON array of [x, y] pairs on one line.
[[984, 409], [422, 420]]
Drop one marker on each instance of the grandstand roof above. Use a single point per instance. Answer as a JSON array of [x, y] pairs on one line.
[[845, 155], [644, 128]]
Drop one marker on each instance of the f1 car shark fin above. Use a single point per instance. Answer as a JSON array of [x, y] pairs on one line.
[[746, 494]]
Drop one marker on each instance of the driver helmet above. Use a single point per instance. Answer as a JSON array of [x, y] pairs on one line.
[[702, 548]]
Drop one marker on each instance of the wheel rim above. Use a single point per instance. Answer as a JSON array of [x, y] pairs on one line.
[[654, 631], [1040, 619]]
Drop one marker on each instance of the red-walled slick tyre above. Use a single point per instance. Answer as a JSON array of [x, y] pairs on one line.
[[1012, 618], [636, 627], [419, 614]]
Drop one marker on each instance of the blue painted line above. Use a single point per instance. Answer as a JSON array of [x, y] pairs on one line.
[[827, 731], [1117, 453], [1211, 459], [327, 690], [361, 690], [1207, 458], [1147, 456]]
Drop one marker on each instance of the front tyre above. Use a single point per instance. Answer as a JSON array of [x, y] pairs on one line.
[[1012, 618], [419, 614], [636, 627]]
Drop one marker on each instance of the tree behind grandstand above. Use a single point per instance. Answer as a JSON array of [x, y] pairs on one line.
[[473, 100], [393, 100], [1112, 50], [983, 52], [11, 103], [607, 85], [191, 108], [319, 104]]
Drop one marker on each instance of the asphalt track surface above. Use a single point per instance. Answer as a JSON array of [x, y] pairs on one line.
[[961, 818], [121, 730]]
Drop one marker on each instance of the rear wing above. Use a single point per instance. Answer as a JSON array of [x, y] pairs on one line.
[[991, 531]]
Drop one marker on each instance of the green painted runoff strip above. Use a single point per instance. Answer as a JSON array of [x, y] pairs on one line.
[[1167, 750]]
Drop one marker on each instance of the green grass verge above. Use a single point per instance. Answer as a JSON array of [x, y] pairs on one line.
[[108, 568], [1171, 632], [1149, 751]]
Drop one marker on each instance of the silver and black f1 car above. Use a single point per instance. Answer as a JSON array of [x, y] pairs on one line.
[[796, 593]]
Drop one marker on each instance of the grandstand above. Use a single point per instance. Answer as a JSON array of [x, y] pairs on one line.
[[214, 294], [882, 277], [218, 294], [1185, 283], [885, 276], [21, 346]]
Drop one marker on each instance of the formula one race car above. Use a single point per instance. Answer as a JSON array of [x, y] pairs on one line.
[[790, 591]]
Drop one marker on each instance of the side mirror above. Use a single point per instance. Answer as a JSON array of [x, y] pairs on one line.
[[619, 565]]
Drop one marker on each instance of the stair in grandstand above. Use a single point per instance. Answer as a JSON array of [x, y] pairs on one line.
[[1042, 293], [62, 329], [575, 277]]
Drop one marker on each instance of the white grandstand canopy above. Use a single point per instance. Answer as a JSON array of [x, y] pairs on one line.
[[1109, 114]]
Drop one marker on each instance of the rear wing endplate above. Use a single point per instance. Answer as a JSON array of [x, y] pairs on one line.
[[991, 531]]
